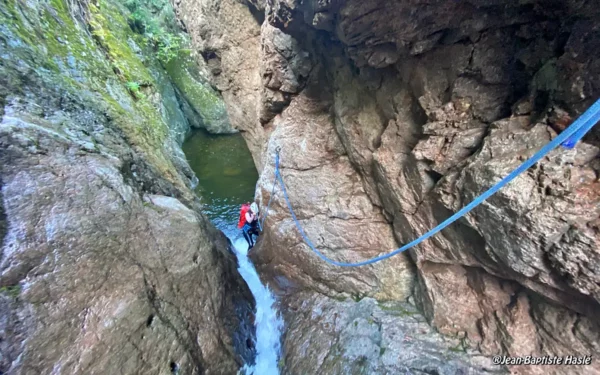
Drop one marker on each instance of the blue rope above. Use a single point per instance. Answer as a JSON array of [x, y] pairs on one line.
[[568, 138], [261, 223], [582, 129]]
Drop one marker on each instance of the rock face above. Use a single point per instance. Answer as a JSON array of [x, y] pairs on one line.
[[227, 37], [391, 117], [201, 105], [334, 195], [332, 337], [107, 264]]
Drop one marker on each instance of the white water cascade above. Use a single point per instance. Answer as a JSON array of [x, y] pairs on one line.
[[267, 321]]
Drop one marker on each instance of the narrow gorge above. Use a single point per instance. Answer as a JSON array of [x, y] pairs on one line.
[[132, 130], [109, 264]]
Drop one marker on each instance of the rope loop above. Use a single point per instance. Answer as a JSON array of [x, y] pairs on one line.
[[568, 138]]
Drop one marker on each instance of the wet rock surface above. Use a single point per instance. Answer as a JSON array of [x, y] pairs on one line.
[[410, 110], [202, 106], [324, 190], [366, 337], [108, 264], [227, 37]]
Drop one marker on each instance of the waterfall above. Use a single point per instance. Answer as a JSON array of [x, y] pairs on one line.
[[267, 321]]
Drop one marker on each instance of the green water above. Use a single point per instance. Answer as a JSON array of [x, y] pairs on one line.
[[226, 173]]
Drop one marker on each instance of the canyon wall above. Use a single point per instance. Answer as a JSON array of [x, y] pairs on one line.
[[391, 116], [108, 264]]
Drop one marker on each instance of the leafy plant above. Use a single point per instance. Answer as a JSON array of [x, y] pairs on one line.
[[134, 89], [155, 20], [133, 86], [169, 46]]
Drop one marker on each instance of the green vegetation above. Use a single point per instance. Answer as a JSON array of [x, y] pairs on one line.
[[105, 70], [133, 86], [134, 89], [340, 297], [12, 291], [357, 297], [145, 130], [112, 32], [106, 59], [155, 20], [201, 97]]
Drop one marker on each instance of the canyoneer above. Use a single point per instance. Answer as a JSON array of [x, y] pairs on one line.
[[248, 222]]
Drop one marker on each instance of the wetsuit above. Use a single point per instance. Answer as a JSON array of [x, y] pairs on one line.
[[250, 229]]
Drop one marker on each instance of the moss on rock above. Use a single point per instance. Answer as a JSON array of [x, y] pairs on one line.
[[207, 105], [11, 291], [46, 42], [155, 22], [111, 30]]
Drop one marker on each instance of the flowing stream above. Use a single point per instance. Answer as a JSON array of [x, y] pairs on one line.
[[226, 179], [267, 322]]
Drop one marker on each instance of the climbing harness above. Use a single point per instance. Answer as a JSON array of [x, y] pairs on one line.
[[568, 139]]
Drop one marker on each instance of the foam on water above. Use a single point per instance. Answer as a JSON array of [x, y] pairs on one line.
[[226, 179], [267, 321]]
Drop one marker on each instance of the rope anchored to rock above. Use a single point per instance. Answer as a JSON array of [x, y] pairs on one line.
[[262, 222], [568, 139]]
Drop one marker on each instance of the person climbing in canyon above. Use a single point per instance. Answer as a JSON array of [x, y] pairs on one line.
[[249, 222]]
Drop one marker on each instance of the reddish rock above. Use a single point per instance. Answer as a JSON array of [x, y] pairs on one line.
[[404, 119]]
